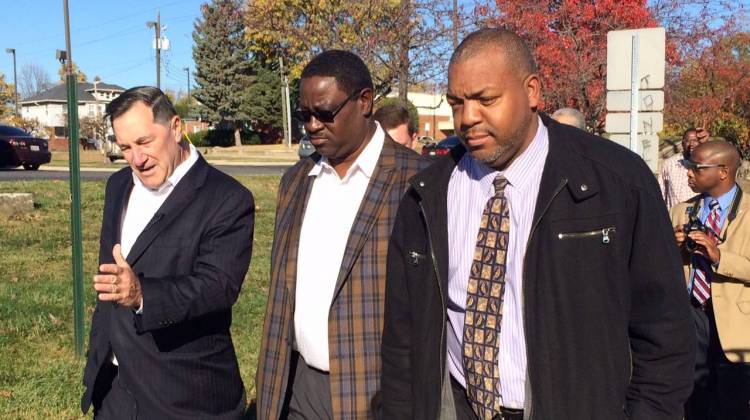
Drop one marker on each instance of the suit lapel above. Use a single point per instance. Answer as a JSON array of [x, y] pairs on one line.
[[377, 193], [181, 196], [730, 222], [299, 194]]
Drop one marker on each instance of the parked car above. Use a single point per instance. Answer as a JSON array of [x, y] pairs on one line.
[[19, 148], [112, 150], [305, 147], [440, 148]]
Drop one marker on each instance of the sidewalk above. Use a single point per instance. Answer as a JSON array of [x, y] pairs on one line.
[[118, 165], [265, 155]]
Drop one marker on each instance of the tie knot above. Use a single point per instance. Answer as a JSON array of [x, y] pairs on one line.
[[499, 182], [714, 204]]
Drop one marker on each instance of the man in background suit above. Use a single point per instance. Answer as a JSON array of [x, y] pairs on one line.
[[320, 354], [395, 120], [174, 249], [717, 271]]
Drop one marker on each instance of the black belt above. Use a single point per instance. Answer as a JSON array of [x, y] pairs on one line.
[[509, 414], [505, 412]]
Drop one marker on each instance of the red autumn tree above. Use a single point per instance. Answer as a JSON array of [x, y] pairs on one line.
[[712, 89], [569, 41]]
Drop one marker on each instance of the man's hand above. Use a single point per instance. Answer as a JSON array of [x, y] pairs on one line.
[[706, 246], [118, 283], [679, 236], [702, 134]]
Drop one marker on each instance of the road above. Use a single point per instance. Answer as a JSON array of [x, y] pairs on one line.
[[234, 170]]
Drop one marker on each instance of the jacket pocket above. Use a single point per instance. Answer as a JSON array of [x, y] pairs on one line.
[[604, 234]]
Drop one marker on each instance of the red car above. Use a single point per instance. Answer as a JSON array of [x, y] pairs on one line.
[[441, 148], [19, 148]]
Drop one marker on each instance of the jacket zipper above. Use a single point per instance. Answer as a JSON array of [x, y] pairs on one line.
[[523, 286], [604, 233], [440, 289]]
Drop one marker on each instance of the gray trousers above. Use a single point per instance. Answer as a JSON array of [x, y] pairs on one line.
[[310, 398]]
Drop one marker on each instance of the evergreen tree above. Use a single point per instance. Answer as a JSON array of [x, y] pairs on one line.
[[265, 100], [223, 73]]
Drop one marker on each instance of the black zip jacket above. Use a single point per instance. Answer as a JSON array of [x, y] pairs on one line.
[[606, 314]]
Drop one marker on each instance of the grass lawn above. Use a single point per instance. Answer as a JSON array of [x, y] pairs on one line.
[[40, 376]]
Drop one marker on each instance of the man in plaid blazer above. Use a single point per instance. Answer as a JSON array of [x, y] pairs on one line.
[[320, 351]]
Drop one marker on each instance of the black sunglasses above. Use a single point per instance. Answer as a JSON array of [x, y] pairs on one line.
[[304, 115], [695, 166]]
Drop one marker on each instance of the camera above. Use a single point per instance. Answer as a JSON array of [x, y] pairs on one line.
[[693, 225]]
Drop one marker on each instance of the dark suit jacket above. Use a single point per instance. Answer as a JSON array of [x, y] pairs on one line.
[[356, 314], [177, 357], [606, 317]]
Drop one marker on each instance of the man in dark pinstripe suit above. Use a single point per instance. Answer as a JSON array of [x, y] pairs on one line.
[[174, 249], [320, 355]]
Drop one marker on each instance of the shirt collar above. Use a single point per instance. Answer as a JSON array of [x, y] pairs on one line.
[[365, 162], [517, 173], [179, 172], [724, 201]]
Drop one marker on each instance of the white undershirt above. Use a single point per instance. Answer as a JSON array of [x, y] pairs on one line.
[[331, 209], [143, 204]]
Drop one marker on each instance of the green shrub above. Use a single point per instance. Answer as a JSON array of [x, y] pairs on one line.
[[222, 138], [198, 139]]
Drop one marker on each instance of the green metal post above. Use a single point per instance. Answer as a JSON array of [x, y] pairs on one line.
[[76, 235], [75, 212]]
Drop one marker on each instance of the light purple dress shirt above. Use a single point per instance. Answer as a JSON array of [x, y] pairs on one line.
[[469, 189]]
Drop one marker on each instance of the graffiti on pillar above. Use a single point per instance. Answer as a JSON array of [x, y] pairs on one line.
[[647, 102], [648, 125]]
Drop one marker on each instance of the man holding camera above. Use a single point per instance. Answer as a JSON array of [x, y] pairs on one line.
[[712, 231]]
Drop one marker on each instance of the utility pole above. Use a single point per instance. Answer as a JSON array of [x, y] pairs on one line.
[[455, 24], [76, 235], [403, 50], [187, 70], [157, 42], [286, 113], [15, 79]]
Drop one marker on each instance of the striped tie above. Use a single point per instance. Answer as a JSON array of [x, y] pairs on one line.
[[484, 305], [702, 266]]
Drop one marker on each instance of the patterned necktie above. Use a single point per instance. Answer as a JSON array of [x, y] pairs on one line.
[[702, 266], [484, 303]]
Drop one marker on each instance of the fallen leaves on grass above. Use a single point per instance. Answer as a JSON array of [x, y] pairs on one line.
[[53, 319]]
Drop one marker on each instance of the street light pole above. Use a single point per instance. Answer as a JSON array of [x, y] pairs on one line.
[[76, 234], [187, 70], [157, 35], [15, 79]]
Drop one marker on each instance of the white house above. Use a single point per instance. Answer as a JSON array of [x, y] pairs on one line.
[[50, 107]]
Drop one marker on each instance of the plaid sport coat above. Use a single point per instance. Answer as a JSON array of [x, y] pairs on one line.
[[356, 315]]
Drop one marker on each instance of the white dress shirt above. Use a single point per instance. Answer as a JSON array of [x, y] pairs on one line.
[[331, 209], [469, 189], [143, 204], [673, 181]]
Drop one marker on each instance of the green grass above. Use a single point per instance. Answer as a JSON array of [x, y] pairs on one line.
[[40, 376]]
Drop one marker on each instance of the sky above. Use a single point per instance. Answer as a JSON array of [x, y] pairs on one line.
[[109, 38]]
